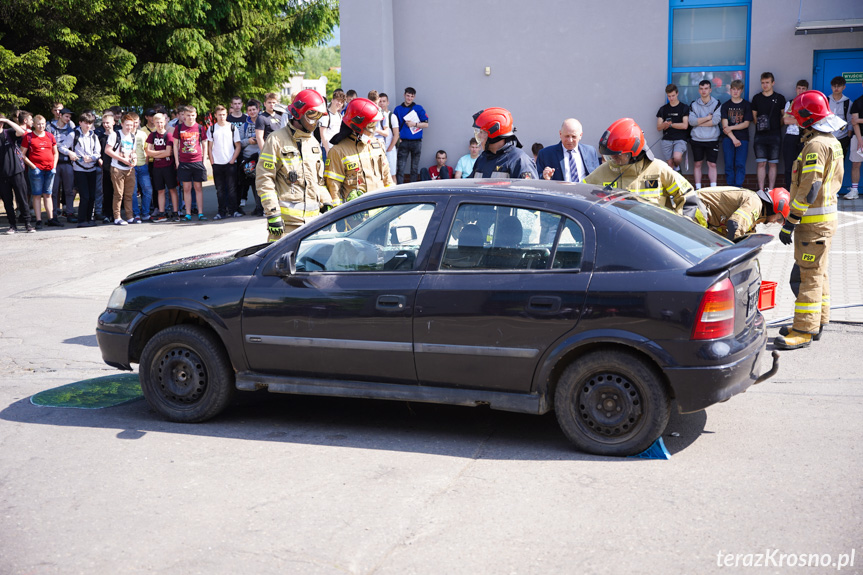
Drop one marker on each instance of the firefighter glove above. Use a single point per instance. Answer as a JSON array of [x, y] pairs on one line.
[[731, 229], [785, 232], [275, 225], [325, 208]]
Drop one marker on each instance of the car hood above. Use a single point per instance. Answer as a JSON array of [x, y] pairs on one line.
[[199, 262]]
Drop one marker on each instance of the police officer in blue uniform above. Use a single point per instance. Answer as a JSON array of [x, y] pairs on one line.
[[503, 156]]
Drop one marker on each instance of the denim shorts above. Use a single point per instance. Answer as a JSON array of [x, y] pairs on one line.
[[767, 148], [41, 182]]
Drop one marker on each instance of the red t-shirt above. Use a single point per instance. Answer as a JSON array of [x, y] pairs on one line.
[[40, 149], [190, 139], [160, 143]]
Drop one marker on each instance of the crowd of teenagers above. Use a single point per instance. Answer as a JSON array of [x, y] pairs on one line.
[[114, 169], [134, 169], [707, 127]]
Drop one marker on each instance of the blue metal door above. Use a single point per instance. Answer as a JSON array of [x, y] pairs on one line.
[[846, 63]]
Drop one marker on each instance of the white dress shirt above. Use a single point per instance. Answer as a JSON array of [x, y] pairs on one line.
[[579, 163]]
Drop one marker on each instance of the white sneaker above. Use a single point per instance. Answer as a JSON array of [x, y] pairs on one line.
[[852, 195], [242, 203], [217, 217], [120, 222], [238, 215]]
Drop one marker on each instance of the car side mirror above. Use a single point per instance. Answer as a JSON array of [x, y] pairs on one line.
[[285, 265], [404, 234]]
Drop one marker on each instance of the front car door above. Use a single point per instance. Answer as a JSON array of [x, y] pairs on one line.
[[346, 312], [508, 283]]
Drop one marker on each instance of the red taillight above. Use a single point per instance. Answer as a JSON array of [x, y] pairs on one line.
[[715, 317]]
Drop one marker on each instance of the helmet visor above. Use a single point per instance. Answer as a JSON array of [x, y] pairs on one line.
[[313, 115], [480, 135], [617, 158]]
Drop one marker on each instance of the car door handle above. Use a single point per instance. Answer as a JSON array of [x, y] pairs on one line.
[[544, 304], [391, 303]]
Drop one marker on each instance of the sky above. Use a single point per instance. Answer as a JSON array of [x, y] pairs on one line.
[[337, 38]]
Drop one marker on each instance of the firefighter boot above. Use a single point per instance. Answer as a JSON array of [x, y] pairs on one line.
[[785, 330], [794, 340]]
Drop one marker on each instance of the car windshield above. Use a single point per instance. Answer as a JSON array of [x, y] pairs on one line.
[[685, 237]]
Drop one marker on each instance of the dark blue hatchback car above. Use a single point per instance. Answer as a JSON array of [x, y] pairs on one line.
[[526, 296]]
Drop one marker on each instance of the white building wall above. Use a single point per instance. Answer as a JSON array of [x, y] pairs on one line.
[[550, 59]]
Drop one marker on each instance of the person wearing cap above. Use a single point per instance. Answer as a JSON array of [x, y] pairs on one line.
[[502, 156], [289, 175], [815, 181], [734, 212], [630, 165], [65, 176]]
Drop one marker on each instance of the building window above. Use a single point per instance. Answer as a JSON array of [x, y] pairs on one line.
[[708, 41]]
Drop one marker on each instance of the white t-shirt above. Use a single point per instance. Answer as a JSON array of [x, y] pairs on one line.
[[385, 123], [331, 126], [223, 141], [792, 129], [126, 149]]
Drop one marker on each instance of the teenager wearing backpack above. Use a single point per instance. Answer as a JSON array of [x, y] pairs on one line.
[[85, 153], [190, 149], [223, 157]]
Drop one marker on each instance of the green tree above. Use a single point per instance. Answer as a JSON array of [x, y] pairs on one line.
[[133, 52]]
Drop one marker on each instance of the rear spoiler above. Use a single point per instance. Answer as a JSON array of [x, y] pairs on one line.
[[730, 256]]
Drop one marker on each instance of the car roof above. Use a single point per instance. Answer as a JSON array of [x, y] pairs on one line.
[[582, 195]]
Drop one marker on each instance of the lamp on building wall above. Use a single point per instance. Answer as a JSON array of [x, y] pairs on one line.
[[488, 70]]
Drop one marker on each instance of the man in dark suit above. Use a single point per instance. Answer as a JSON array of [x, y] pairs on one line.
[[569, 160]]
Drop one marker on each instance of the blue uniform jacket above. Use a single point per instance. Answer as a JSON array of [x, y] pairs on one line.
[[509, 162]]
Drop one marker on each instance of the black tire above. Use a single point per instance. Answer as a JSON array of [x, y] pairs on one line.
[[611, 402], [185, 374]]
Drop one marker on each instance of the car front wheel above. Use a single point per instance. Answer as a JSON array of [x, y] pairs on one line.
[[185, 374], [611, 402]]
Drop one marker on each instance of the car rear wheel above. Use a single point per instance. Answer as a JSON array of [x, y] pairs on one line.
[[185, 374], [611, 403]]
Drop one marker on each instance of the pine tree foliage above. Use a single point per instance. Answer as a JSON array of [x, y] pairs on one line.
[[99, 53]]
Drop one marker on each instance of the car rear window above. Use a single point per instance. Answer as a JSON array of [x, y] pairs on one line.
[[682, 235]]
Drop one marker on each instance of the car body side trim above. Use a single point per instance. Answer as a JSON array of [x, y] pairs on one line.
[[482, 350], [330, 343], [517, 402]]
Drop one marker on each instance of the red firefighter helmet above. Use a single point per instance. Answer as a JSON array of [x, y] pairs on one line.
[[496, 122], [360, 113], [810, 107], [779, 198], [622, 137], [308, 103]]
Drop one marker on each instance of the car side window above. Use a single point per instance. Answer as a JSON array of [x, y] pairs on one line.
[[570, 246], [385, 238], [493, 237]]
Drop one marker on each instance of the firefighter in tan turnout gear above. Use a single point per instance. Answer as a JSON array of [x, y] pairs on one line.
[[357, 162], [815, 181], [290, 172], [733, 212], [630, 165]]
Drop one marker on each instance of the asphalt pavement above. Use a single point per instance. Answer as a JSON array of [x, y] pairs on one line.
[[282, 484]]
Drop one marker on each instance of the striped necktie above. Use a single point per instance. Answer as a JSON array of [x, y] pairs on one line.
[[573, 167]]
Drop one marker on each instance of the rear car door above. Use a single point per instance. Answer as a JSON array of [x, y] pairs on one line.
[[346, 311], [507, 280]]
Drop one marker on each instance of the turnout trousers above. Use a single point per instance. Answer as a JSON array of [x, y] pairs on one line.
[[809, 279]]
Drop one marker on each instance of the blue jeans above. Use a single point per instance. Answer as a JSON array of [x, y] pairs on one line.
[[41, 182], [735, 161], [142, 175]]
